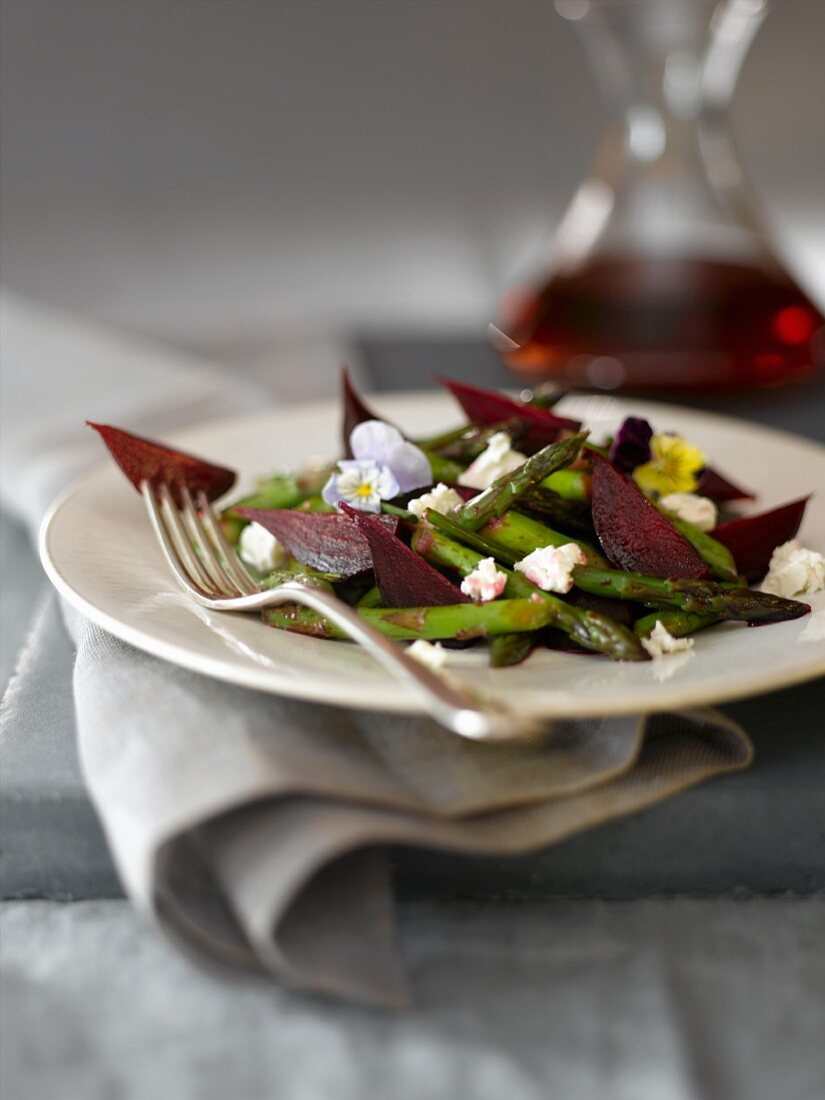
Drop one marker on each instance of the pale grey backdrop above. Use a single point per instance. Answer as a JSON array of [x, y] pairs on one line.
[[226, 172]]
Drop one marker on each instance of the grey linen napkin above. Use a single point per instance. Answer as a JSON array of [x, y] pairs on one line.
[[253, 830]]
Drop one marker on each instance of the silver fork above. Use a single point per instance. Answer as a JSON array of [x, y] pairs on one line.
[[208, 569]]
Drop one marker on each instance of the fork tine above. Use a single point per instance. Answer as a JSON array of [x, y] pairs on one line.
[[221, 545], [167, 546], [183, 544], [209, 559]]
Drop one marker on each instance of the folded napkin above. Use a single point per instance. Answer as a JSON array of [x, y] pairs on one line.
[[252, 829]]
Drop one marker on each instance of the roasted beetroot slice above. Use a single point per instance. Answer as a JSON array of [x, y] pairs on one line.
[[753, 539], [633, 533], [712, 484], [404, 579], [144, 460], [355, 411], [491, 407], [327, 541]]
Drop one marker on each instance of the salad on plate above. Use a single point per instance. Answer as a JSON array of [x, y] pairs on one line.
[[515, 527]]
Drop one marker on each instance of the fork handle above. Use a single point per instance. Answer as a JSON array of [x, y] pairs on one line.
[[449, 702]]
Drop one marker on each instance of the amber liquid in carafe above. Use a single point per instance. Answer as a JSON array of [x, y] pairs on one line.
[[624, 322]]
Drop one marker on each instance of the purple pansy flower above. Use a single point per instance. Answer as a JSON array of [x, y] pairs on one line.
[[631, 447], [383, 465]]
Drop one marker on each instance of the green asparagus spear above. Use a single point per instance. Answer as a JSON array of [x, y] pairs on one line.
[[314, 503], [444, 469], [402, 513], [461, 620], [507, 650], [570, 515], [275, 492], [522, 535], [295, 571], [569, 484], [280, 491], [474, 539], [443, 439], [588, 628], [371, 598], [703, 597], [545, 395], [507, 489], [677, 623], [713, 553], [475, 440]]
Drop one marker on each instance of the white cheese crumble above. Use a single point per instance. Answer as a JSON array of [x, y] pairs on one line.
[[485, 582], [499, 458], [700, 511], [551, 567], [661, 642], [794, 571], [442, 499], [260, 549], [432, 656]]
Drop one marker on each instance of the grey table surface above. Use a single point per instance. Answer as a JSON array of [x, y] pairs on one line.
[[584, 1000]]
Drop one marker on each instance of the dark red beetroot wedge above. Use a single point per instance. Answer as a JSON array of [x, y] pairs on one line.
[[491, 407], [327, 541], [633, 533], [404, 579], [753, 539], [355, 411], [143, 460], [712, 484]]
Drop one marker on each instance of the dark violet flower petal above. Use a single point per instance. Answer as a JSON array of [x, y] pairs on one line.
[[631, 447]]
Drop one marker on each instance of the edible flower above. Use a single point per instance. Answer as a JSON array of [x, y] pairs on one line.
[[674, 467], [631, 447], [383, 465], [485, 583]]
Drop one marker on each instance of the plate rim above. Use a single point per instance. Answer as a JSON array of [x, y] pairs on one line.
[[255, 678]]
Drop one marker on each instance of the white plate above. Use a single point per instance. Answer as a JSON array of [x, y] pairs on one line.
[[100, 554]]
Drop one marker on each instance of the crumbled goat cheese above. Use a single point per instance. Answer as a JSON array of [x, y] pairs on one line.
[[700, 511], [551, 567], [442, 499], [260, 549], [433, 656], [794, 571], [661, 642], [499, 458], [485, 582]]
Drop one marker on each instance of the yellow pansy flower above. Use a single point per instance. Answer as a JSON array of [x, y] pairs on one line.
[[674, 467]]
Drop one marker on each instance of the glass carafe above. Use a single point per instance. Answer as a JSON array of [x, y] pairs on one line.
[[661, 275]]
